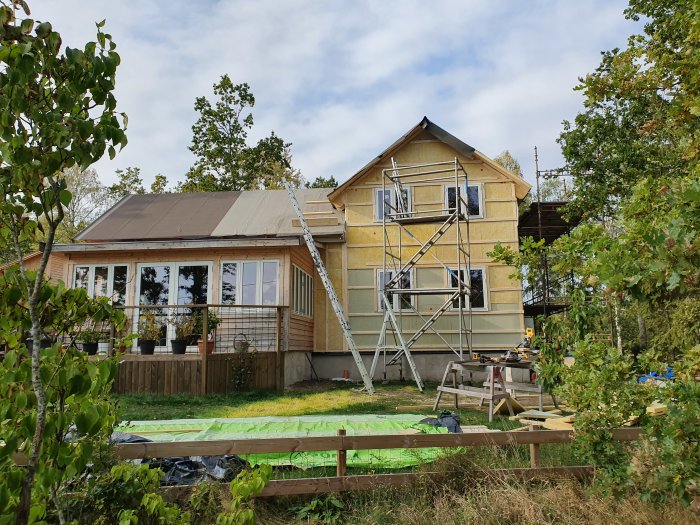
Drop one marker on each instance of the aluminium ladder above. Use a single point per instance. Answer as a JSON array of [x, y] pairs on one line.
[[330, 290]]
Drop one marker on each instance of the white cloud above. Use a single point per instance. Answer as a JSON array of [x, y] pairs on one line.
[[343, 80]]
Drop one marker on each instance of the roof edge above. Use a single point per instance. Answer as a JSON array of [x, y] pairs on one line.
[[86, 230]]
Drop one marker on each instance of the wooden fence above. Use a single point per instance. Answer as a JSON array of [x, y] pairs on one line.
[[193, 374], [342, 443]]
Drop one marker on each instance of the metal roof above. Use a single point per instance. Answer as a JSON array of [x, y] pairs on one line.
[[230, 214]]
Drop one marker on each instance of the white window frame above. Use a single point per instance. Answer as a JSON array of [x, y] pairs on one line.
[[477, 185], [110, 278], [258, 280], [484, 279], [395, 299], [174, 272], [378, 191], [302, 304]]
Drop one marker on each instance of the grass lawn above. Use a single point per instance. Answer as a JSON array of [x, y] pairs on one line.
[[309, 399]]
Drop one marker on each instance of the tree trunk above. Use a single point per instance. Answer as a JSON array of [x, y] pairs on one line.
[[643, 336]]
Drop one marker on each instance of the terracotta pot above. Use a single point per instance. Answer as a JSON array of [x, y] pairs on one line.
[[210, 347]]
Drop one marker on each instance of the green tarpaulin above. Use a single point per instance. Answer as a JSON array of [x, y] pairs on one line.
[[300, 426]]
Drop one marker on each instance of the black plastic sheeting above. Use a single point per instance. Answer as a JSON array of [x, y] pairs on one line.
[[189, 470], [446, 419]]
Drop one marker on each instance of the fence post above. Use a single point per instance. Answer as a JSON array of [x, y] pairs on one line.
[[341, 456], [279, 374], [535, 452], [110, 345], [203, 355]]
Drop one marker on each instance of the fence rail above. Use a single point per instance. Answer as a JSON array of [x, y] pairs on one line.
[[342, 443]]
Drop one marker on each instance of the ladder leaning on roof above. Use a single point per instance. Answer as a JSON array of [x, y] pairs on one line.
[[323, 274]]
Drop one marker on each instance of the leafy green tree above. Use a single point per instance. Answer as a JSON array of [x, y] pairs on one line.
[[225, 161], [129, 183], [641, 110], [160, 184], [57, 111], [322, 182], [90, 198]]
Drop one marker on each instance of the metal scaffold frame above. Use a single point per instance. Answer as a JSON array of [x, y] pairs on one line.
[[398, 217]]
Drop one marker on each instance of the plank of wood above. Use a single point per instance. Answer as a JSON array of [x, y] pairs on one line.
[[414, 408], [555, 424], [537, 414], [502, 408]]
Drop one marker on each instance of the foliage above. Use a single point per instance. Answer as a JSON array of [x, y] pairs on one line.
[[91, 336], [57, 111], [325, 510], [129, 183], [213, 320], [641, 110], [224, 159], [184, 324], [150, 326], [242, 369], [322, 182], [527, 261], [247, 485]]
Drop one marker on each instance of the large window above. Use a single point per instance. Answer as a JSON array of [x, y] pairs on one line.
[[174, 283], [473, 199], [400, 301], [102, 280], [478, 295], [302, 292], [250, 282], [385, 202]]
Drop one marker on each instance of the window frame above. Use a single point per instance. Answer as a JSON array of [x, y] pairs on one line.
[[392, 197], [173, 287], [300, 305], [480, 189], [258, 280], [110, 279], [396, 299], [484, 280]]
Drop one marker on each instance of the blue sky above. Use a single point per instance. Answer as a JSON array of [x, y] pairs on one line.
[[343, 80]]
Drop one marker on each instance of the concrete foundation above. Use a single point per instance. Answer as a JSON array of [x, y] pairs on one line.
[[296, 367], [431, 367]]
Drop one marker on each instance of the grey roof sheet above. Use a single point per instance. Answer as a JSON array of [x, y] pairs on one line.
[[269, 212], [161, 216], [264, 213]]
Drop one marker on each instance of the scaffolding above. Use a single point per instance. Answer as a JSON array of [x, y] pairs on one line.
[[397, 288]]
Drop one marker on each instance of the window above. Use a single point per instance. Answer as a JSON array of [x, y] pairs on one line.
[[478, 296], [102, 280], [473, 199], [400, 301], [250, 282], [302, 292], [156, 284], [385, 202]]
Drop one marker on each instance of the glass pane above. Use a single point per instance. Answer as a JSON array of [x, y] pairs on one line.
[[405, 299], [477, 296], [192, 283], [473, 200], [381, 208], [384, 277], [249, 280], [101, 281], [451, 198], [454, 284], [269, 282], [155, 285], [229, 274], [119, 286], [81, 277]]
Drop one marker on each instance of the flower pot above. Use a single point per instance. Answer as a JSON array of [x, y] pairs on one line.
[[209, 347], [90, 348], [147, 346], [178, 346]]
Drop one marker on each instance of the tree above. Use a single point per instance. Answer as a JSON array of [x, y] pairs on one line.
[[57, 111], [225, 161], [641, 110], [322, 182], [160, 184], [90, 198], [129, 183]]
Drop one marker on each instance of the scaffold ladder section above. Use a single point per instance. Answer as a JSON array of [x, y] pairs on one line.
[[402, 348], [330, 290]]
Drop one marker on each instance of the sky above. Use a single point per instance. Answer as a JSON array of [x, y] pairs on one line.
[[342, 80]]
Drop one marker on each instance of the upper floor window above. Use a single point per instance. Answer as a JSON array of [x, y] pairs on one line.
[[385, 202], [478, 288], [302, 292], [473, 199], [102, 280], [250, 282]]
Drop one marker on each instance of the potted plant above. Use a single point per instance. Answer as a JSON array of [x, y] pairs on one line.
[[149, 332], [185, 325], [213, 321], [90, 340]]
